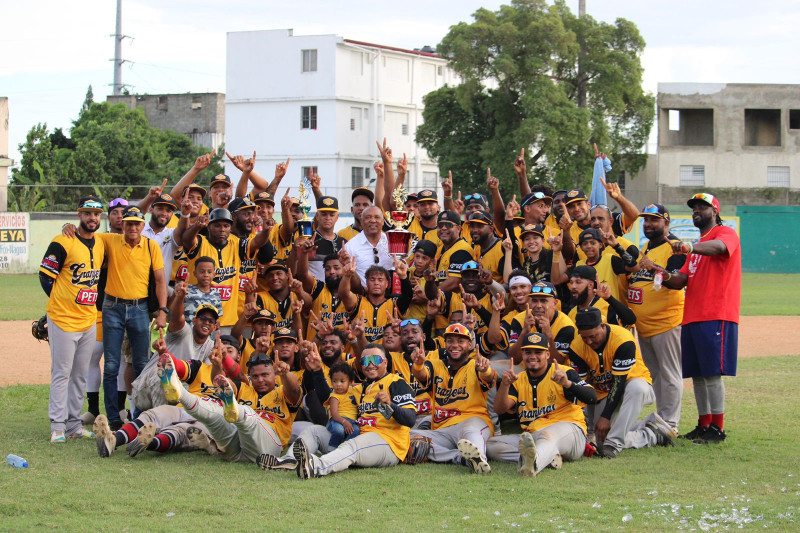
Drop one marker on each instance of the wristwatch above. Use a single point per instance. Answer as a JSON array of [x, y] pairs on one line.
[[165, 309]]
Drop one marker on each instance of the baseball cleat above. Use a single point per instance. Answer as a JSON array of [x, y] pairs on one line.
[[142, 440], [57, 437], [87, 418], [82, 432], [104, 437], [662, 438], [556, 463], [663, 426], [266, 461], [527, 455], [609, 452], [170, 382], [712, 434], [197, 439], [226, 394], [696, 433], [305, 463], [473, 457]]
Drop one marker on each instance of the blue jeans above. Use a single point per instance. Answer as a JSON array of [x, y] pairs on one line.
[[338, 434], [117, 319]]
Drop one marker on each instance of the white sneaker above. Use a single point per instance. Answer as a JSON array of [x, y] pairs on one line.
[[472, 456], [57, 437], [662, 425], [81, 433], [87, 418], [527, 455]]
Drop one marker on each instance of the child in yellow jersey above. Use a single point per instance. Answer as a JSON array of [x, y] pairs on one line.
[[342, 405]]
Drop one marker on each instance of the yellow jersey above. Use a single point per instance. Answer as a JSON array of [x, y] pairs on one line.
[[370, 420], [272, 407], [458, 394], [448, 262], [656, 311], [541, 402], [492, 259], [398, 364], [325, 305]]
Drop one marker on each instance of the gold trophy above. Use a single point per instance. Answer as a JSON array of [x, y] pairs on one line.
[[305, 224], [399, 237]]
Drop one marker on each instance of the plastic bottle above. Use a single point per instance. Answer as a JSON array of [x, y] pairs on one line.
[[657, 279], [16, 461]]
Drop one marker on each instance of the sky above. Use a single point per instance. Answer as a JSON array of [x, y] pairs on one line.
[[179, 46]]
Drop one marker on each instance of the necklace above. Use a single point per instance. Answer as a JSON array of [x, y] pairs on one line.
[[706, 233]]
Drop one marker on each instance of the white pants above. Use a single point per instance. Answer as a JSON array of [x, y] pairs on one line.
[[95, 376], [70, 353], [662, 355], [174, 421], [626, 431], [366, 450], [562, 438], [444, 445]]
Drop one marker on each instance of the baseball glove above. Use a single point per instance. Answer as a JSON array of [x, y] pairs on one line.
[[418, 451], [39, 329]]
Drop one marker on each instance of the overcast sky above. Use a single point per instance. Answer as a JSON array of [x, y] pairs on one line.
[[53, 50]]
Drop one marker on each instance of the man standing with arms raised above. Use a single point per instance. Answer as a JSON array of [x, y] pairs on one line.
[[712, 276]]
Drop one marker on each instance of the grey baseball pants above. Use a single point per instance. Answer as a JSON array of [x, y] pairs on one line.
[[562, 438], [174, 421], [70, 353], [366, 450], [662, 355], [444, 447], [244, 440], [626, 431]]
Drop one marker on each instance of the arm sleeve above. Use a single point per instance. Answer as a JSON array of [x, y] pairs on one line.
[[624, 358], [618, 264], [564, 338], [458, 258], [577, 363], [318, 413], [580, 391], [265, 253], [47, 282], [405, 417], [615, 396], [53, 260], [623, 312], [675, 262], [317, 382], [485, 315], [404, 300], [403, 403]]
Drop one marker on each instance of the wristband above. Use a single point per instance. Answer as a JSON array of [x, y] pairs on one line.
[[420, 367], [669, 276], [230, 366], [448, 197]]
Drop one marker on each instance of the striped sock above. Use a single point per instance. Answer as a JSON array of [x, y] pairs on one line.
[[128, 432], [163, 442]]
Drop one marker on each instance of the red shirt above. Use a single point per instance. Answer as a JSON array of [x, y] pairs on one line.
[[713, 291]]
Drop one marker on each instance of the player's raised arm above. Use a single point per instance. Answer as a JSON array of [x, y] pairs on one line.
[[200, 164]]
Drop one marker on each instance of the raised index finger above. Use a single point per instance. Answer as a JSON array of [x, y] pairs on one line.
[[162, 186]]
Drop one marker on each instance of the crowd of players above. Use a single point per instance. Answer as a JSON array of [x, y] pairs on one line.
[[239, 336]]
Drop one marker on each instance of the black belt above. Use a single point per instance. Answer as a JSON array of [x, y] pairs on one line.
[[125, 301]]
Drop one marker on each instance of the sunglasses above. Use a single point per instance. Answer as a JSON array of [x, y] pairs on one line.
[[117, 202], [93, 205], [475, 196], [534, 197], [374, 360], [445, 225], [543, 290], [705, 197], [651, 210], [375, 258], [470, 265], [260, 359], [412, 321], [206, 319]]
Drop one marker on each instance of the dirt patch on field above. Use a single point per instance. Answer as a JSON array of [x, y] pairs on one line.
[[23, 359]]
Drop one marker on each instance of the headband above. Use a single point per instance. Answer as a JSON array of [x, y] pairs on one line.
[[518, 280]]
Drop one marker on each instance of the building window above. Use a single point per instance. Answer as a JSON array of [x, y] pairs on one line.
[[778, 177], [404, 129], [762, 127], [197, 102], [355, 119], [357, 177], [794, 119], [439, 70], [162, 103], [429, 180], [693, 175], [309, 120], [686, 127], [306, 171], [309, 60]]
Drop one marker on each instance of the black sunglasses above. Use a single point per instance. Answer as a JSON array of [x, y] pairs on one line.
[[259, 359], [375, 258]]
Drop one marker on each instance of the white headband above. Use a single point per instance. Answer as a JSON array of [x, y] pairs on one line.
[[518, 280]]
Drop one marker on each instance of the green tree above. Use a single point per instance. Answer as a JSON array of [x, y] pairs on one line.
[[523, 70]]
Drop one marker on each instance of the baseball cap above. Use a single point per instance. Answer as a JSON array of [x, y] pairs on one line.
[[220, 214], [285, 333], [363, 191], [585, 272], [240, 204], [480, 217], [328, 203], [705, 198], [220, 179], [475, 198], [655, 210], [459, 330], [535, 229], [132, 214], [588, 318], [427, 195], [575, 195], [117, 202], [470, 265], [589, 234], [449, 216], [532, 197], [544, 288], [230, 340], [537, 341], [262, 197], [195, 187], [90, 204], [276, 264], [411, 197], [208, 307], [166, 199], [426, 247], [264, 314]]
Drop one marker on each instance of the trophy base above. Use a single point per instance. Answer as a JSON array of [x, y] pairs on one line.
[[305, 226], [399, 242]]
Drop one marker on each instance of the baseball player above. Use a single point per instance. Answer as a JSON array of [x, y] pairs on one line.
[[608, 358], [458, 386], [547, 399], [69, 275]]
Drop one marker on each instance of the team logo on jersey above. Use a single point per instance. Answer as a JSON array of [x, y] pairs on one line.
[[446, 396], [224, 274], [551, 398], [87, 278], [533, 414], [50, 262], [440, 414]]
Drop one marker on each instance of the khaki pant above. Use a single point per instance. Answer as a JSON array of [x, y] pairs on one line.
[[444, 447], [562, 438]]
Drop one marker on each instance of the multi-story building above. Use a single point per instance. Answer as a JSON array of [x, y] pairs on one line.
[[323, 101]]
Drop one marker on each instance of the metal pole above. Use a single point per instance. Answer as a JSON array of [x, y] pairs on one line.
[[118, 51]]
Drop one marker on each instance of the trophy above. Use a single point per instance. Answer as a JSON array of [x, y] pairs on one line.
[[399, 237], [305, 224]]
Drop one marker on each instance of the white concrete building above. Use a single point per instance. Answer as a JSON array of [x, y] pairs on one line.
[[323, 101]]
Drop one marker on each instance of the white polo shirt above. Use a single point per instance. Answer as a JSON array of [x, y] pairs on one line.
[[364, 252], [166, 242]]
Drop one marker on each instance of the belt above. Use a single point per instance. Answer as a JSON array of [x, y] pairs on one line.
[[125, 301]]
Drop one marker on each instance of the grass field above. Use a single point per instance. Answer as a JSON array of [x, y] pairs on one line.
[[22, 298], [752, 481]]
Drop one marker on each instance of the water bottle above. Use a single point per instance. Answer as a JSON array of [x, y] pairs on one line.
[[16, 461], [657, 279]]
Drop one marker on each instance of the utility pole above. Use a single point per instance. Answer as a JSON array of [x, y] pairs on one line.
[[581, 78], [118, 61]]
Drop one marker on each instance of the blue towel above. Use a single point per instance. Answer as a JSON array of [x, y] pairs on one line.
[[598, 194]]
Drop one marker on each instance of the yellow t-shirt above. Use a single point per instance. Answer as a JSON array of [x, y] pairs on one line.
[[129, 267], [347, 404]]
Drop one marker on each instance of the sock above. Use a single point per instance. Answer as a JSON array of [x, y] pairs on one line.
[[121, 396], [162, 442], [94, 402], [704, 420], [717, 419], [128, 432]]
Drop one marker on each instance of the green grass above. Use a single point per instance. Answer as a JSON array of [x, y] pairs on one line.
[[22, 298], [753, 476]]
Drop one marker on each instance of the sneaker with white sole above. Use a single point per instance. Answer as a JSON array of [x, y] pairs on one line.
[[104, 437], [198, 440], [57, 437], [169, 381], [227, 395], [473, 457], [305, 461], [527, 455], [266, 461], [81, 433], [87, 418], [662, 425], [556, 463], [146, 434]]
